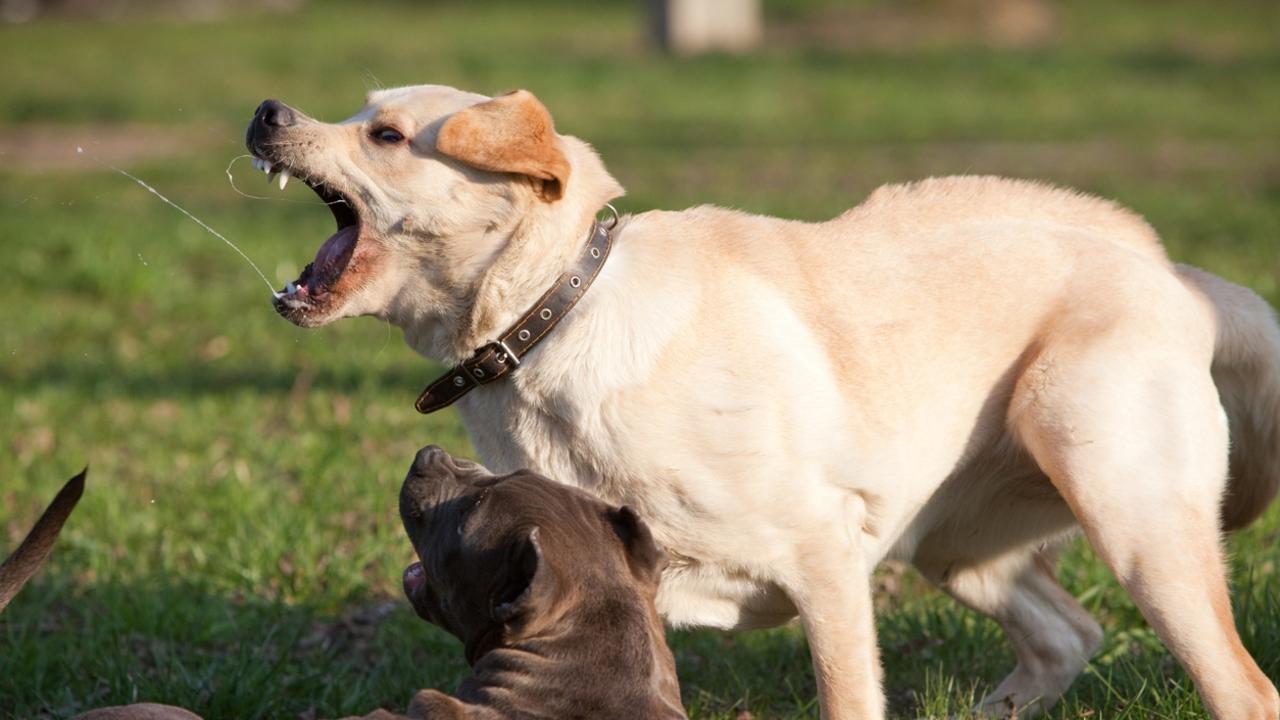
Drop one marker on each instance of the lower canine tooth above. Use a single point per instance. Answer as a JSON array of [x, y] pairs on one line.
[[284, 178]]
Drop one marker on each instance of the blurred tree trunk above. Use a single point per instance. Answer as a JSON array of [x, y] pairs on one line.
[[689, 27]]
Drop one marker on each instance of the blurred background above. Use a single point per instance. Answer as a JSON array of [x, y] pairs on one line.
[[238, 550]]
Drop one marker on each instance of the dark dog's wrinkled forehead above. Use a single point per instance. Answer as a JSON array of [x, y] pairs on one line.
[[498, 552], [452, 507], [512, 559], [441, 492], [436, 477]]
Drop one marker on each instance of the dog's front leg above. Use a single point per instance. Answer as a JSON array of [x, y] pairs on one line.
[[832, 591]]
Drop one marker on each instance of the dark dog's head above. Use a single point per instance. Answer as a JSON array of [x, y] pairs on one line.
[[504, 557]]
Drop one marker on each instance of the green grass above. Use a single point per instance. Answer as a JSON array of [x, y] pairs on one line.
[[237, 550]]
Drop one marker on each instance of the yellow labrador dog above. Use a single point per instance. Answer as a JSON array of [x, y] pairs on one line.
[[957, 372]]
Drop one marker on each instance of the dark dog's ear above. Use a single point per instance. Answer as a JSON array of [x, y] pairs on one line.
[[526, 580], [511, 133], [644, 556]]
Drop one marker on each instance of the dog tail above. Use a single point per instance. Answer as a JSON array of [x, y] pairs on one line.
[[1246, 369], [30, 555]]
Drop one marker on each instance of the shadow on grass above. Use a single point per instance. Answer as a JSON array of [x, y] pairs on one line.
[[65, 648]]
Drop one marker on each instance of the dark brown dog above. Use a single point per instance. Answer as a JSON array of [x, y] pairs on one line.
[[550, 590]]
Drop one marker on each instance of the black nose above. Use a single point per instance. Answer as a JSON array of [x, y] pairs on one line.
[[275, 114], [421, 486]]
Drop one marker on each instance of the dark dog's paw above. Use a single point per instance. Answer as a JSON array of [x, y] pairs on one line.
[[435, 705]]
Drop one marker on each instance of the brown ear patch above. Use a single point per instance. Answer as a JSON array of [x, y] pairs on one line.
[[644, 556], [511, 133]]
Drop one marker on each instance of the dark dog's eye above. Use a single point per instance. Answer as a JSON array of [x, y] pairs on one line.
[[466, 514], [387, 135]]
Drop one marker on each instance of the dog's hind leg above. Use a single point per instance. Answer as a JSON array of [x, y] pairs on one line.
[[1052, 636], [1127, 424]]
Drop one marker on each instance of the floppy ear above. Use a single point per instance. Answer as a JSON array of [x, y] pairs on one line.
[[644, 557], [525, 580], [511, 133]]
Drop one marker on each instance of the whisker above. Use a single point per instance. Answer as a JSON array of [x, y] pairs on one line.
[[179, 208], [231, 179]]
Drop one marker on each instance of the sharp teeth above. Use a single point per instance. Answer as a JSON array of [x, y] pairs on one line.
[[284, 178]]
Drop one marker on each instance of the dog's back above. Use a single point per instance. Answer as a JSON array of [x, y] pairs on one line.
[[980, 198]]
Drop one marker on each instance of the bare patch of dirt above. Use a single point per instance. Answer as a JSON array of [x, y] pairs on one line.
[[45, 148], [923, 23], [353, 632]]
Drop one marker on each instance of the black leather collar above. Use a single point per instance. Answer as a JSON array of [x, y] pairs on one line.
[[498, 358]]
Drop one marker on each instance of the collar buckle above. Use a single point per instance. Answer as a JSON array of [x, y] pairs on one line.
[[499, 357], [504, 353]]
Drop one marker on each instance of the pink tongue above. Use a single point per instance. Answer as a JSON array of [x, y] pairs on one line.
[[413, 578], [332, 252]]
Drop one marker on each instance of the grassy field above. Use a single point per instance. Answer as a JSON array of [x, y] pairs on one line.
[[238, 551]]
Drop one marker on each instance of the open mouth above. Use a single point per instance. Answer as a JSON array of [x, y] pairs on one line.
[[415, 590], [313, 289], [414, 579]]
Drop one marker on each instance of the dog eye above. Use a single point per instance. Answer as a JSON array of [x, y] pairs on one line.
[[387, 135], [466, 514]]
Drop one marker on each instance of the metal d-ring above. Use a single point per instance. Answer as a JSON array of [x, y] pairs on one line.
[[613, 221]]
